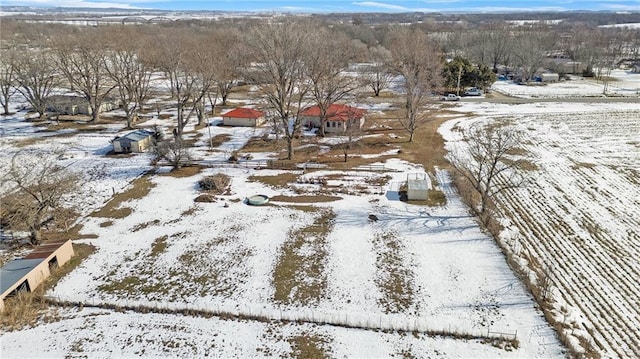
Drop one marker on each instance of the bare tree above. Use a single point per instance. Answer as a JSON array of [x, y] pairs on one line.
[[530, 50], [418, 59], [229, 58], [377, 74], [189, 62], [172, 150], [350, 137], [327, 57], [490, 45], [7, 78], [37, 188], [130, 73], [487, 164], [82, 59], [37, 77], [279, 51]]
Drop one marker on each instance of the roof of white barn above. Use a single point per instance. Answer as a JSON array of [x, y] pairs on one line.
[[137, 135]]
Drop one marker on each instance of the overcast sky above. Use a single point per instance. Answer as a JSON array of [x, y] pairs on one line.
[[349, 6]]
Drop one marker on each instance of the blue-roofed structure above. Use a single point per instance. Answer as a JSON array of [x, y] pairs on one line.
[[28, 273]]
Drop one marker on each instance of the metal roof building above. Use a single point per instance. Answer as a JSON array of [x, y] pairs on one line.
[[29, 272]]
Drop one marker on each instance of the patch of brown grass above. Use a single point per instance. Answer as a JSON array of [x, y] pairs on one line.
[[298, 276], [72, 233], [140, 187], [427, 147], [305, 199], [262, 144], [182, 172], [395, 279], [219, 139], [308, 346], [280, 181]]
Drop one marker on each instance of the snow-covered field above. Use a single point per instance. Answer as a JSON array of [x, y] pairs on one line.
[[580, 217], [416, 268], [624, 83]]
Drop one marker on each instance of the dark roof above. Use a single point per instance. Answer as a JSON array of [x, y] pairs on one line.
[[14, 270], [336, 112], [244, 112], [45, 250]]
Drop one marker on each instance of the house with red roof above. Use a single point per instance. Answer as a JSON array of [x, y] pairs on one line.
[[242, 116], [338, 119]]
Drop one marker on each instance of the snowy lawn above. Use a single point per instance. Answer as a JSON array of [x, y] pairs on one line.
[[321, 260]]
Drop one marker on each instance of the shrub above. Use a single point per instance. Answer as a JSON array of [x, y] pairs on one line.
[[217, 183]]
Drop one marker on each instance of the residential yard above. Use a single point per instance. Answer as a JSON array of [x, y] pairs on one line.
[[310, 274]]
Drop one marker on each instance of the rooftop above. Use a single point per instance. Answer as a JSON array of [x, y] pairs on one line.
[[14, 270], [243, 112], [336, 112]]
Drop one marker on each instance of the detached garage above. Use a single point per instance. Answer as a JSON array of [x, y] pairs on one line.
[[136, 141], [243, 117], [28, 273]]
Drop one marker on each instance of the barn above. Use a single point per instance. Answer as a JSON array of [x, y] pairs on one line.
[[28, 273], [244, 117], [136, 141], [338, 118]]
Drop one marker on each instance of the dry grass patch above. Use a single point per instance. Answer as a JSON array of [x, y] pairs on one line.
[[140, 187], [262, 144], [395, 279], [299, 276], [219, 140], [182, 172], [159, 246], [427, 147], [280, 181], [144, 225], [72, 233], [309, 346], [26, 309], [305, 199]]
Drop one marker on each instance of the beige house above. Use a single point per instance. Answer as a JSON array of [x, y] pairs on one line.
[[338, 118], [136, 141], [28, 273], [243, 117]]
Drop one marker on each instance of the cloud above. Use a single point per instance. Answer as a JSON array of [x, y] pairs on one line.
[[381, 5]]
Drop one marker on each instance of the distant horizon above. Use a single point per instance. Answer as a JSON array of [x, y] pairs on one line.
[[328, 6]]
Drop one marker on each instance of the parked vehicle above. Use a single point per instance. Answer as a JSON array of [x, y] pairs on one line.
[[450, 97], [473, 92]]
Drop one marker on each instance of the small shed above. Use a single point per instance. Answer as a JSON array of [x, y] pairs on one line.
[[136, 141], [418, 186], [243, 117], [28, 273]]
